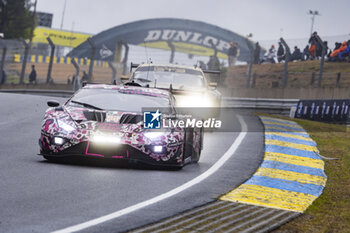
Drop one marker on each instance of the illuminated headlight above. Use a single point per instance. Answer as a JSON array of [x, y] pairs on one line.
[[65, 126], [157, 149], [194, 101], [58, 141], [106, 139], [153, 135]]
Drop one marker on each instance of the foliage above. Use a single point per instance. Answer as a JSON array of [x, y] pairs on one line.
[[15, 18]]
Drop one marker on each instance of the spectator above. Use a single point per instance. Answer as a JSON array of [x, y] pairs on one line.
[[202, 65], [336, 46], [238, 51], [232, 53], [32, 75], [257, 53], [213, 63], [296, 55], [344, 53], [3, 77], [335, 52], [306, 53], [315, 48], [270, 56], [280, 52], [85, 77]]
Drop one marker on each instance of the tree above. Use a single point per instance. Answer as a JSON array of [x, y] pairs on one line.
[[15, 18]]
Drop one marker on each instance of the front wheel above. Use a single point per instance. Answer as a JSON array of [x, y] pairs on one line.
[[197, 146]]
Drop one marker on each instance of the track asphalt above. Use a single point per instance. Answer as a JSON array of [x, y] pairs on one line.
[[38, 196]]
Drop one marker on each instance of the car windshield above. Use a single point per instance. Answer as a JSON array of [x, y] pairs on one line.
[[162, 77], [114, 100]]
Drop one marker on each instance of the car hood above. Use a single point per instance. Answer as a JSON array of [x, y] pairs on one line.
[[79, 114]]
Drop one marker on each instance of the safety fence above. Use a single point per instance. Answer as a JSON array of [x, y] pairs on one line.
[[51, 65], [18, 58]]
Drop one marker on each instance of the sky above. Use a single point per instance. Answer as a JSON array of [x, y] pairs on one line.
[[265, 19]]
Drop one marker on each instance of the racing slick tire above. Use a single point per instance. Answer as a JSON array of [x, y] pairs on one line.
[[189, 151], [197, 154]]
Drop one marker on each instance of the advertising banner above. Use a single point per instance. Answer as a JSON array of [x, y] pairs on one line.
[[59, 37], [334, 111]]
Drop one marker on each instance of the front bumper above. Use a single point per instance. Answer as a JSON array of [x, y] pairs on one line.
[[88, 149]]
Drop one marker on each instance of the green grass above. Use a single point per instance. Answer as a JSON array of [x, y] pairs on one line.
[[12, 79], [331, 211]]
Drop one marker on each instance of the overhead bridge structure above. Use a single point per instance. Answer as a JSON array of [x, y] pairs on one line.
[[180, 35]]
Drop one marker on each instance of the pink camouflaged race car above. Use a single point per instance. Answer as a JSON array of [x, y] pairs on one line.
[[106, 121]]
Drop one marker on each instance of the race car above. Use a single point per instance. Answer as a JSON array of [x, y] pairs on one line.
[[188, 84], [106, 121]]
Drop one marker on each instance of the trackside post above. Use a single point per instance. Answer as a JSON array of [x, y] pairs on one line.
[[251, 51], [285, 69], [52, 45], [92, 58]]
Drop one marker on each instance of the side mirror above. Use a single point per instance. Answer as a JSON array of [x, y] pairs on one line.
[[53, 103], [213, 85]]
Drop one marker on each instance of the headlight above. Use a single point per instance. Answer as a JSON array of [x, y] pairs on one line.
[[153, 135], [106, 139], [58, 141], [157, 149], [65, 126], [194, 101]]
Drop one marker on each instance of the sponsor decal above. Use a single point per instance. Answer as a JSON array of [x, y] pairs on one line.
[[192, 123], [188, 37], [324, 110], [152, 120], [155, 120], [59, 37]]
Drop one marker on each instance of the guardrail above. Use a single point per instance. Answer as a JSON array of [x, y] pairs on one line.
[[55, 93], [281, 106]]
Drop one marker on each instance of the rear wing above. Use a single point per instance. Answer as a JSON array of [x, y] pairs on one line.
[[211, 72], [133, 65], [213, 76]]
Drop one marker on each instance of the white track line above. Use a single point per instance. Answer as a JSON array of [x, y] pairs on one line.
[[168, 194]]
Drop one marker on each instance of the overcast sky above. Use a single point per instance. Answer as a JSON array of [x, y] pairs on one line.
[[266, 19]]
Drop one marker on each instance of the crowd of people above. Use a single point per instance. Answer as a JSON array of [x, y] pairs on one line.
[[312, 51]]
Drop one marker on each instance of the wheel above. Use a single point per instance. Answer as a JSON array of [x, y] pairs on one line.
[[188, 146], [197, 154]]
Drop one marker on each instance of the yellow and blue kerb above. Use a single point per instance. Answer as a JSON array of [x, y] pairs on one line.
[[291, 175]]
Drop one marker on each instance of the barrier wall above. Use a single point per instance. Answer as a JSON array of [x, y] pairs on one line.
[[289, 93]]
